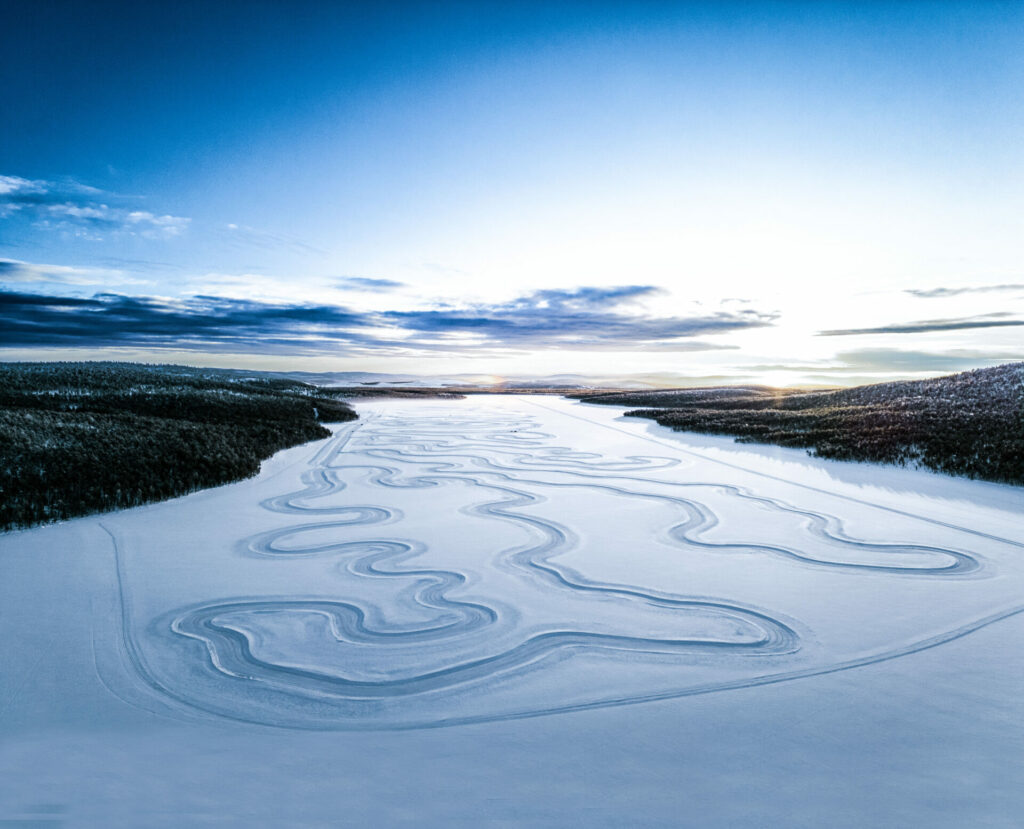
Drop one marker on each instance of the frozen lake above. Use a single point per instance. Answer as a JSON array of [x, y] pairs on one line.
[[522, 611]]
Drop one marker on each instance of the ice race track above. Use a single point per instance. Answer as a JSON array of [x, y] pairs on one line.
[[522, 611]]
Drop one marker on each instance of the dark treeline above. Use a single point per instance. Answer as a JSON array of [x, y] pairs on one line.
[[968, 424], [78, 438]]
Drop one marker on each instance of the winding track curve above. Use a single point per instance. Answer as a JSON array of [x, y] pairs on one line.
[[228, 647]]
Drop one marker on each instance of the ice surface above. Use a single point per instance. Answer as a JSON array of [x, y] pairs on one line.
[[522, 611]]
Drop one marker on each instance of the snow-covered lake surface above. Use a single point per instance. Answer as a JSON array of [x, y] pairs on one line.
[[522, 611]]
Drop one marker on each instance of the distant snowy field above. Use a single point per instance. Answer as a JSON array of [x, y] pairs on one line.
[[522, 611]]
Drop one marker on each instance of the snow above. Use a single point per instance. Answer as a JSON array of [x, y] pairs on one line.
[[522, 611]]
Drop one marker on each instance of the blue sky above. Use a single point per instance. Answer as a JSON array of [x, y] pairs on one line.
[[788, 192]]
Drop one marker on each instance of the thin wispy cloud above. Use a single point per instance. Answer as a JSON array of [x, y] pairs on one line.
[[894, 360], [16, 271], [368, 285], [238, 235], [82, 210], [17, 192], [898, 360], [135, 264], [935, 293], [997, 320], [586, 318]]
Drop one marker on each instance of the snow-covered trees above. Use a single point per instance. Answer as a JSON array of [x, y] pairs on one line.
[[965, 424], [77, 438]]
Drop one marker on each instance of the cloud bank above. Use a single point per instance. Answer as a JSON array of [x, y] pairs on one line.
[[585, 318]]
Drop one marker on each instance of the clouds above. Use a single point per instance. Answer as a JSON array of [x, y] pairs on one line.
[[212, 323], [996, 320], [889, 361], [17, 192], [15, 271], [82, 210], [243, 236], [584, 298], [935, 293], [367, 285], [584, 319]]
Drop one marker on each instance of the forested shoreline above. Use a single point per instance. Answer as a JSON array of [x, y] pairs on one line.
[[79, 438], [969, 424]]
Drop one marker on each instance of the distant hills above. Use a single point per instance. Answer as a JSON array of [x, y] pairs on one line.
[[483, 381]]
